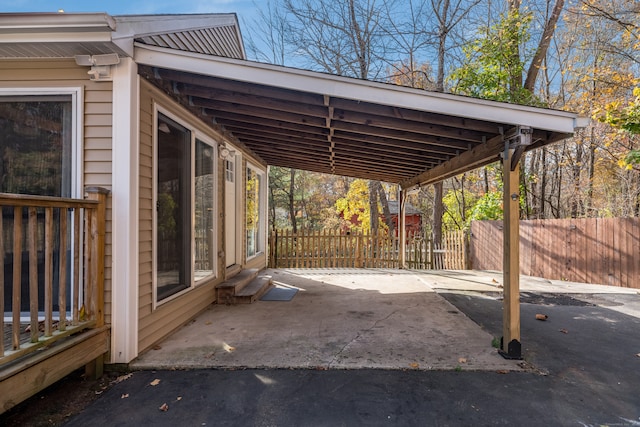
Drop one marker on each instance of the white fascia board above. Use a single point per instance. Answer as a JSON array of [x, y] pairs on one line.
[[56, 27], [52, 22], [57, 37], [359, 90]]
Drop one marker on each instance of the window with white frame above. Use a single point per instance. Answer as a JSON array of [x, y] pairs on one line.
[[38, 146], [36, 140], [255, 217], [185, 204]]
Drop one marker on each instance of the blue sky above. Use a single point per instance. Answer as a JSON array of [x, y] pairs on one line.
[[245, 9]]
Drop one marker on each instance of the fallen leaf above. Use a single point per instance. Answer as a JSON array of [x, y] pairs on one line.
[[179, 398], [207, 323], [164, 407], [564, 331], [414, 365], [155, 382], [228, 348], [638, 355], [462, 360], [541, 316], [502, 371], [122, 378], [157, 347], [124, 396]]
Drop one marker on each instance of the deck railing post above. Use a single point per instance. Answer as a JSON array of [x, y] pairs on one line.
[[98, 229]]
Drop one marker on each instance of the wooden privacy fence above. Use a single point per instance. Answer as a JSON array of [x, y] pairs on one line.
[[590, 250], [335, 249], [52, 252]]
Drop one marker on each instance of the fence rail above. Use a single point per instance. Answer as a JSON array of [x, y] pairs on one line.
[[590, 250], [334, 249], [52, 252]]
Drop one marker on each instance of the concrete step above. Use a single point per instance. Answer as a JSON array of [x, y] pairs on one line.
[[254, 290], [227, 290]]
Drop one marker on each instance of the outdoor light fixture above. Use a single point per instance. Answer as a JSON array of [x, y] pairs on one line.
[[223, 151], [100, 65]]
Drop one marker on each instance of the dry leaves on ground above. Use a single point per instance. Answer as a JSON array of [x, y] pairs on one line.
[[164, 407], [155, 382]]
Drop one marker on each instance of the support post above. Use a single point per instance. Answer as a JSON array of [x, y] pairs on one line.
[[511, 347], [402, 229]]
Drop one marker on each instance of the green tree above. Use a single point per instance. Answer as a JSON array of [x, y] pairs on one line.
[[626, 119], [494, 65]]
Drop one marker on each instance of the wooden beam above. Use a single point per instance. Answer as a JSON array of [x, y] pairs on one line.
[[366, 118], [444, 153], [478, 156], [418, 116], [510, 346], [417, 138]]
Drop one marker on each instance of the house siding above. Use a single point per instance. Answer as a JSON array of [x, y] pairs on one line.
[[96, 120], [157, 321]]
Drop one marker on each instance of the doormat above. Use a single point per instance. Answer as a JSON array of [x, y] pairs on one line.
[[278, 293]]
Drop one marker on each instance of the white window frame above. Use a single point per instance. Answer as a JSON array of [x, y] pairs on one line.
[[77, 113], [199, 136], [195, 135], [262, 210]]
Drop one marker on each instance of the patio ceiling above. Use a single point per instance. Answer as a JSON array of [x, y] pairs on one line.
[[329, 124]]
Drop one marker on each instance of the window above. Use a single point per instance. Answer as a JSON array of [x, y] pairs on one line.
[[229, 171], [254, 211], [37, 141], [185, 188], [204, 226], [36, 145]]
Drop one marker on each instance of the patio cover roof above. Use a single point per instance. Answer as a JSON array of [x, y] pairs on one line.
[[330, 124], [290, 117]]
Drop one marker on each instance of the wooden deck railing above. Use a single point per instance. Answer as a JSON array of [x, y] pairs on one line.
[[334, 249], [52, 252]]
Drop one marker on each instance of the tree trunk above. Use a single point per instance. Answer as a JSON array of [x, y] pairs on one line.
[[543, 46], [292, 206], [373, 208], [438, 211], [542, 190], [388, 219]]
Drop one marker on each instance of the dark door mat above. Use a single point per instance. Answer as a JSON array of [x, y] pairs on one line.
[[278, 293]]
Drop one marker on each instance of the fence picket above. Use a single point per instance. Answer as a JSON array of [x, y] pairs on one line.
[[333, 249]]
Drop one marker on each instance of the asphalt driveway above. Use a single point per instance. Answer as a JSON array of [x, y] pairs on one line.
[[581, 368]]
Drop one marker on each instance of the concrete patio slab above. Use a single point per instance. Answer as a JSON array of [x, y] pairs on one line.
[[339, 319]]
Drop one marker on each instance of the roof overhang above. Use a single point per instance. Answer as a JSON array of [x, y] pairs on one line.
[[65, 35], [332, 124]]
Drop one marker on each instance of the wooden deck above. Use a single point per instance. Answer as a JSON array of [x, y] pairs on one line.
[[52, 291]]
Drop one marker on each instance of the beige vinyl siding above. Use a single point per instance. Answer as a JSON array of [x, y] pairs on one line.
[[96, 143], [155, 324]]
